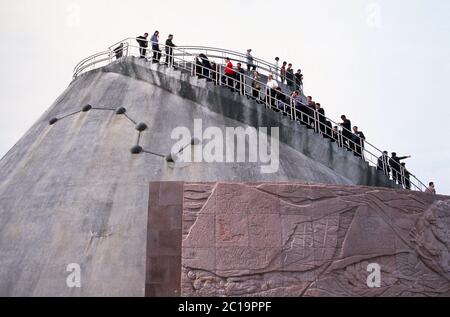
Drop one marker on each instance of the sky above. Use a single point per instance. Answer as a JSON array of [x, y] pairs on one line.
[[383, 63]]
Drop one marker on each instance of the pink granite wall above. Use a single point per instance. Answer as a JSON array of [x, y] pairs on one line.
[[300, 240], [163, 267]]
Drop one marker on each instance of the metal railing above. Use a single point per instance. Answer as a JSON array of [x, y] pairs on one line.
[[207, 63]]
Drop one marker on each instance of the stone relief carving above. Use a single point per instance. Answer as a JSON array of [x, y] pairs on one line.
[[300, 240]]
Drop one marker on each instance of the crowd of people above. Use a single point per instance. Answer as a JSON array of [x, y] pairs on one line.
[[281, 77]]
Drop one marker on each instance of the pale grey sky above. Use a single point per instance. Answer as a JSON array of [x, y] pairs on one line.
[[384, 63]]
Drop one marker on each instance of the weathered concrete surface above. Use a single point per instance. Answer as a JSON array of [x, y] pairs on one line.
[[299, 240]]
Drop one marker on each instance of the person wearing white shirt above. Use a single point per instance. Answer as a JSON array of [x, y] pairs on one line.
[[271, 92], [277, 69]]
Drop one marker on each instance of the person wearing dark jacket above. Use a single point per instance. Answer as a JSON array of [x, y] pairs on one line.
[[118, 51], [336, 135], [169, 50], [240, 79], [329, 130], [143, 44], [383, 164], [206, 66], [290, 76], [394, 164], [358, 142], [406, 177], [346, 131], [299, 80], [198, 67], [320, 118], [310, 112]]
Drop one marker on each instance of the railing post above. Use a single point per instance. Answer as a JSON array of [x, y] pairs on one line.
[[362, 149], [216, 74], [316, 121], [293, 112]]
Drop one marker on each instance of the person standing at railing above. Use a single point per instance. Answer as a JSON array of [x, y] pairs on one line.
[[383, 164], [276, 71], [431, 189], [280, 100], [256, 86], [283, 72], [337, 136], [304, 111], [300, 108], [296, 103], [169, 50], [299, 80], [320, 118], [143, 44], [155, 47], [271, 91], [394, 164], [198, 67], [346, 132], [118, 51], [358, 141], [240, 81], [406, 177], [250, 61], [229, 74], [328, 130], [309, 110], [290, 76], [206, 66]]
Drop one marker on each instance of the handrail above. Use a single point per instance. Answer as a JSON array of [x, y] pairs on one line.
[[322, 126]]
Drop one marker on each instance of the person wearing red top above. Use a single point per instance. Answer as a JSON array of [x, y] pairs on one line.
[[229, 74]]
